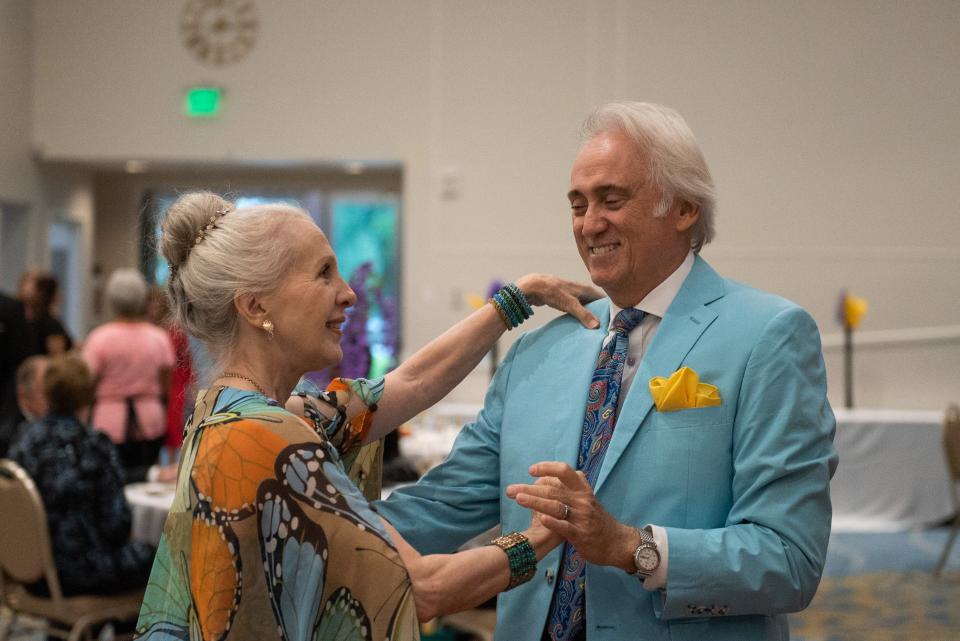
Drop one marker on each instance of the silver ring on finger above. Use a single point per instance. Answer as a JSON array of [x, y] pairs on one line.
[[566, 512]]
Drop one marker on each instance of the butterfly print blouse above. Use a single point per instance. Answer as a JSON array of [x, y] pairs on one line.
[[269, 536]]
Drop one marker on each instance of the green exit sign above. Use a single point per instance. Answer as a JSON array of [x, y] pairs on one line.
[[203, 102]]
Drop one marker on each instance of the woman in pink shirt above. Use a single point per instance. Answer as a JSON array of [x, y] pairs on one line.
[[131, 359]]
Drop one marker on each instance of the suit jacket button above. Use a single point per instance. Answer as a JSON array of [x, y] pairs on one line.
[[548, 576]]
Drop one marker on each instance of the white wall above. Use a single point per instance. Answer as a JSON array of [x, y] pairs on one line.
[[831, 128], [16, 176], [66, 195]]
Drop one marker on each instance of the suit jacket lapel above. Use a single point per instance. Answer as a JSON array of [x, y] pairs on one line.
[[578, 358], [683, 324]]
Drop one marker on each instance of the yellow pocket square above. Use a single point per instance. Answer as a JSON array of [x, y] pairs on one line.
[[683, 390]]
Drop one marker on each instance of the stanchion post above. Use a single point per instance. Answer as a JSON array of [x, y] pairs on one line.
[[848, 365]]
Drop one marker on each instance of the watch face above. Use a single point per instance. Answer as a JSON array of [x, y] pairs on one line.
[[647, 559]]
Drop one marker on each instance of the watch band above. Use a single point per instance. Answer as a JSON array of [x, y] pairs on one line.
[[646, 536]]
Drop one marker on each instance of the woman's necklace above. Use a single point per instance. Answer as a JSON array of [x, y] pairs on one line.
[[246, 378]]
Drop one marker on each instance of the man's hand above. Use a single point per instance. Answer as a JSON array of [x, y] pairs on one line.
[[598, 537], [537, 527]]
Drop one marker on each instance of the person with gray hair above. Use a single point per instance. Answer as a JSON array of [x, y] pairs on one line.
[[676, 164], [131, 359], [30, 400], [684, 453], [30, 397], [271, 533], [126, 294]]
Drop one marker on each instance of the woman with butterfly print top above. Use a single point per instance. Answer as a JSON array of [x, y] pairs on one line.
[[269, 535]]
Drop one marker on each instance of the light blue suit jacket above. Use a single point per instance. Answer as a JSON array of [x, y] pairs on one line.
[[742, 488]]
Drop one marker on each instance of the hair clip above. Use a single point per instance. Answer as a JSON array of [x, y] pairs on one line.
[[210, 226]]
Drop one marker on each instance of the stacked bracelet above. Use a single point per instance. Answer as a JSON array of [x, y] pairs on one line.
[[503, 314], [512, 305], [520, 298], [520, 556]]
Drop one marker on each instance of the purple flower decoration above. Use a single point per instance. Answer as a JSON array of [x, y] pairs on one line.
[[388, 312], [355, 344], [373, 301]]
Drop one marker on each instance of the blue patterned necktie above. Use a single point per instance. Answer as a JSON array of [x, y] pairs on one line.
[[567, 618]]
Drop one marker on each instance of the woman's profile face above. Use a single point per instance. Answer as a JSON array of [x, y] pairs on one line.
[[308, 309]]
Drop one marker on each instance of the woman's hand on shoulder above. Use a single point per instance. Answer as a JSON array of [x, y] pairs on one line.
[[565, 295]]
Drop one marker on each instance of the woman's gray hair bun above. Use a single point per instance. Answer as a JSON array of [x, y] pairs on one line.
[[185, 221], [239, 251]]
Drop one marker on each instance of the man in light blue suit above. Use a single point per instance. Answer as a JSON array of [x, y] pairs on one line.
[[703, 511]]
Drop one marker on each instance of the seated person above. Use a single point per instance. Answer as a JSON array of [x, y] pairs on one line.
[[31, 402], [79, 477]]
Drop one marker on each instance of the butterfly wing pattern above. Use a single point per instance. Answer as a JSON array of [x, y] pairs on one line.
[[216, 575], [294, 552], [344, 619], [308, 469], [166, 603]]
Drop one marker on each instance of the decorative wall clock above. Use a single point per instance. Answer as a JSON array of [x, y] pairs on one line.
[[219, 32]]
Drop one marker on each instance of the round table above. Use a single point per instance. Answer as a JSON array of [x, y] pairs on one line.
[[149, 505]]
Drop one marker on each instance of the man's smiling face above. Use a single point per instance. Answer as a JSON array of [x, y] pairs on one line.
[[626, 248]]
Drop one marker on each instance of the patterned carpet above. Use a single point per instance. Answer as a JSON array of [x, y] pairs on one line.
[[880, 587], [882, 606]]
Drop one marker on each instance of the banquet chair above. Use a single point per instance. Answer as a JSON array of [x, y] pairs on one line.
[[26, 557], [951, 447]]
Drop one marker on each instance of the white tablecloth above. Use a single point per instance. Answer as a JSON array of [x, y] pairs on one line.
[[149, 504], [893, 473]]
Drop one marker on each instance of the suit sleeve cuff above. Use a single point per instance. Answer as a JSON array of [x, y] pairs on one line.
[[658, 580]]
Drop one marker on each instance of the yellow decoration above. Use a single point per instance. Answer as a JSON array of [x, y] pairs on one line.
[[683, 390], [476, 301], [854, 309]]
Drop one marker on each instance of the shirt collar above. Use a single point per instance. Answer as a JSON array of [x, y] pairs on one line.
[[658, 300]]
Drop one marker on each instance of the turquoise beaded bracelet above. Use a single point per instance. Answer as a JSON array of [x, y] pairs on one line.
[[511, 305], [520, 298], [520, 556], [501, 313]]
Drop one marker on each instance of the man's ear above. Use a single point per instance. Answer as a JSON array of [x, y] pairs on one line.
[[250, 309], [687, 215]]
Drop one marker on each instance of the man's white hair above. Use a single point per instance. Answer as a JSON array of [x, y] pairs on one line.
[[663, 138]]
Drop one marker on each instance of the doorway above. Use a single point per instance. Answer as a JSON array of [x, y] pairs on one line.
[[66, 264]]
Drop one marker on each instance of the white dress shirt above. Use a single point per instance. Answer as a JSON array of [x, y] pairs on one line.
[[655, 305]]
